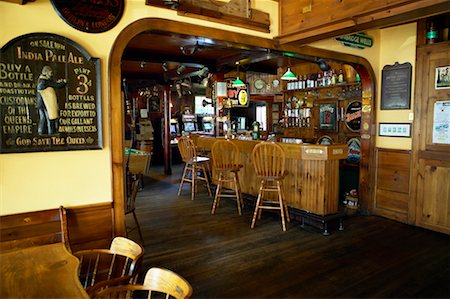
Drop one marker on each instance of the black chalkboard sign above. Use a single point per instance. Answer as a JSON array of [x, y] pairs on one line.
[[396, 86], [49, 95]]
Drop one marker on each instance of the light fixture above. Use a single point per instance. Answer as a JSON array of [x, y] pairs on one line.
[[142, 64], [238, 82], [171, 3], [323, 65], [165, 67], [289, 75], [181, 69]]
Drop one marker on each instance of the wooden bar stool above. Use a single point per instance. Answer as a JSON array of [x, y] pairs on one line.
[[269, 160], [194, 167], [226, 156]]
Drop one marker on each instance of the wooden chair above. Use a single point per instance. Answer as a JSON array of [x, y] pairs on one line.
[[269, 160], [99, 266], [33, 229], [130, 205], [226, 158], [194, 168], [157, 281]]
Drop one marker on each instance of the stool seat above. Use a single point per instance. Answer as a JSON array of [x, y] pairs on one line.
[[269, 160], [226, 156]]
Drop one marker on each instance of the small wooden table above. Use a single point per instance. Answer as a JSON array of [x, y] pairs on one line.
[[47, 271]]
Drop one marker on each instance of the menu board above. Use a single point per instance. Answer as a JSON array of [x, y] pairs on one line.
[[396, 86], [49, 95]]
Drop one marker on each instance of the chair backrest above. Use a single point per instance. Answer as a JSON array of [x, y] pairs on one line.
[[269, 160], [33, 229], [122, 259], [130, 203], [226, 154], [157, 282], [187, 149]]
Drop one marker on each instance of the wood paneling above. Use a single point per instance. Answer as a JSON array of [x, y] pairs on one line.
[[392, 184], [304, 21], [312, 183]]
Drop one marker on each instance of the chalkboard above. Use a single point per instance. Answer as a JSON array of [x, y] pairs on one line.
[[49, 95], [396, 86]]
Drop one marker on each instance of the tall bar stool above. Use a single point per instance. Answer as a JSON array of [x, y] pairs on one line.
[[226, 156], [269, 160], [194, 167]]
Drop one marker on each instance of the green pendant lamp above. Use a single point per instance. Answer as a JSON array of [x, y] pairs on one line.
[[289, 75], [238, 82]]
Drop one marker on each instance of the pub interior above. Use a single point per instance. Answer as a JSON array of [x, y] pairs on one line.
[[202, 129]]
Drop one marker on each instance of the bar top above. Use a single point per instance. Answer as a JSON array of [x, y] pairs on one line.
[[302, 151]]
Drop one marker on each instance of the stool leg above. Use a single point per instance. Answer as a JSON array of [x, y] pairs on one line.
[[182, 179], [236, 191], [217, 196], [280, 199], [207, 180], [138, 227], [263, 186], [194, 181], [286, 209], [258, 200], [241, 199]]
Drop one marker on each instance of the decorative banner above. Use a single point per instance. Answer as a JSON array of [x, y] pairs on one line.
[[358, 40], [49, 95], [91, 16], [353, 116]]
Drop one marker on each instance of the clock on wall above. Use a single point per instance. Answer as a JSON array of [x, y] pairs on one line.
[[259, 84]]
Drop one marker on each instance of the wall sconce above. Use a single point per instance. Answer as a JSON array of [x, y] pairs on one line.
[[206, 103]]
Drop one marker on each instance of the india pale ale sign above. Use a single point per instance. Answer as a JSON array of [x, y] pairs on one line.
[[49, 95], [91, 16]]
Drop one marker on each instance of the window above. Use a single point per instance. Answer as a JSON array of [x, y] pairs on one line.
[[261, 117], [199, 109]]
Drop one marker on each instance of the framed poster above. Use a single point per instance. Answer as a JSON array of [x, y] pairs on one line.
[[328, 116], [442, 78], [396, 86], [441, 122], [50, 95], [394, 130]]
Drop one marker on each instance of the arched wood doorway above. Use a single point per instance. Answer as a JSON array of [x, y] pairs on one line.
[[117, 106]]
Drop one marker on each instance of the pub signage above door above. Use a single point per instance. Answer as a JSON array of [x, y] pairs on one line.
[[49, 95], [91, 16]]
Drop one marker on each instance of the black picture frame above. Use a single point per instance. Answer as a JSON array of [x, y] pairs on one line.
[[395, 130], [396, 86], [328, 116]]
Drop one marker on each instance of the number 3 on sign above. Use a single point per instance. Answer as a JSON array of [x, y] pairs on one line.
[[84, 84]]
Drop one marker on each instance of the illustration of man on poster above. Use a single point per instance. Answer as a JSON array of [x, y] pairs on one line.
[[47, 101]]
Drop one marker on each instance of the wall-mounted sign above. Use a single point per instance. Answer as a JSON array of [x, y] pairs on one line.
[[353, 116], [236, 96], [357, 40], [395, 130], [441, 122], [49, 95], [354, 150], [327, 116], [91, 16], [396, 86]]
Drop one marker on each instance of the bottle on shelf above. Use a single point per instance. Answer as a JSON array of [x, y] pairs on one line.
[[341, 76]]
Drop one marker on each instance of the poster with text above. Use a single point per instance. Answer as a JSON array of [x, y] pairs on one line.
[[49, 95], [441, 122]]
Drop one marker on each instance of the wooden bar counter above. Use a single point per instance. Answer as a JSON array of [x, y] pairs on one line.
[[312, 183]]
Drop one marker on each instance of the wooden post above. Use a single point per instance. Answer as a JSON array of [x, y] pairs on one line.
[[166, 131]]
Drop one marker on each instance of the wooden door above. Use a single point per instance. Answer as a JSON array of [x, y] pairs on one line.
[[431, 172]]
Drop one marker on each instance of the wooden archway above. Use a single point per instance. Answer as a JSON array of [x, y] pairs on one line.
[[117, 106]]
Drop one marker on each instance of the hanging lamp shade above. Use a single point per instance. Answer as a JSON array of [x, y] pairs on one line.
[[238, 83], [289, 75]]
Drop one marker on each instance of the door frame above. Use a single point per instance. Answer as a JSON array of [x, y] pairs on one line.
[[362, 66]]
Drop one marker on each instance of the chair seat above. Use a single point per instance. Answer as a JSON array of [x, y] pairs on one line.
[[233, 168]]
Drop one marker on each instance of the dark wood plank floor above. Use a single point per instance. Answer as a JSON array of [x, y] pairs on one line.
[[223, 258]]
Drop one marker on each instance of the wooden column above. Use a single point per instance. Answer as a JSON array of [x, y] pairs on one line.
[[166, 132]]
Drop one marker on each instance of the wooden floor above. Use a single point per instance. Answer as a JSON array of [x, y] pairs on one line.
[[223, 258]]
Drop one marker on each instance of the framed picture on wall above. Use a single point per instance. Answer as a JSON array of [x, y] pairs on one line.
[[328, 116]]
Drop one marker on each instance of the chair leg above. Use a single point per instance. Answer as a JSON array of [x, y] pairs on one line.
[[241, 199], [138, 227], [236, 191], [263, 185], [194, 181], [182, 180], [280, 200], [257, 204], [286, 209], [207, 180], [217, 196]]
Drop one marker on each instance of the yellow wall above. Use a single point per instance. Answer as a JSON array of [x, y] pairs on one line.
[[38, 181], [394, 44]]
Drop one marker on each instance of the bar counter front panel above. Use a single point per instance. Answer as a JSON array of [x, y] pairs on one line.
[[312, 182]]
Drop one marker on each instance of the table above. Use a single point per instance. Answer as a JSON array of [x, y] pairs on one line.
[[47, 271]]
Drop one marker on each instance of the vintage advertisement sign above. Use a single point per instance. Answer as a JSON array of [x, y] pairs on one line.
[[91, 16], [49, 95], [353, 116], [357, 40], [236, 96]]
